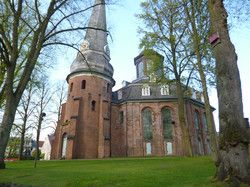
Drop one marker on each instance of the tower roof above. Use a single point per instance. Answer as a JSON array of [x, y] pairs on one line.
[[94, 56], [96, 33]]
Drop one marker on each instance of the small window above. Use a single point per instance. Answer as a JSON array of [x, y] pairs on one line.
[[83, 84], [145, 90], [93, 103], [164, 90], [148, 148], [169, 148], [119, 94], [71, 87], [121, 117]]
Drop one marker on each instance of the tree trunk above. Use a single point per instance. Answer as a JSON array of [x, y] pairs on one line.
[[209, 115], [22, 137], [191, 15], [37, 139], [233, 162], [5, 128], [186, 142], [9, 115]]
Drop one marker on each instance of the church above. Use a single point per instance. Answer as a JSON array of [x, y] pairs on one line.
[[140, 119]]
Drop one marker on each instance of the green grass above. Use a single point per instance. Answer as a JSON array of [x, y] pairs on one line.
[[166, 171]]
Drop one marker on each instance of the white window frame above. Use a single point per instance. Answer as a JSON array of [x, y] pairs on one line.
[[148, 148], [145, 90], [165, 90], [119, 94]]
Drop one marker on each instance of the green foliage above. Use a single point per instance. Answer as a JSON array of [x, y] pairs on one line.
[[13, 146], [165, 31], [165, 171], [40, 155]]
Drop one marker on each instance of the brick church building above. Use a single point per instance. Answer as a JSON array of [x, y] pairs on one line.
[[139, 119]]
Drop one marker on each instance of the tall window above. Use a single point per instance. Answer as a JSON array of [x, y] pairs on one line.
[[140, 69], [108, 87], [147, 124], [165, 90], [196, 120], [167, 123], [204, 120], [145, 90], [71, 87], [83, 84], [64, 145], [120, 94], [121, 117]]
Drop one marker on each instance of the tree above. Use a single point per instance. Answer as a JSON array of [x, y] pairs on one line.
[[59, 98], [25, 110], [26, 29], [44, 96], [197, 19], [13, 146], [166, 33], [233, 164]]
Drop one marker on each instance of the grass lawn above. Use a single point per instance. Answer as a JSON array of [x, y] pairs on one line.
[[165, 171]]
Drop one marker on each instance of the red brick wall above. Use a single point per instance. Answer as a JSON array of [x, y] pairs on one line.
[[99, 133], [86, 127]]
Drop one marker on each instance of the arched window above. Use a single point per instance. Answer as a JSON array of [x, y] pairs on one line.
[[93, 105], [64, 145], [71, 87], [167, 123], [204, 119], [196, 120], [147, 124], [83, 84]]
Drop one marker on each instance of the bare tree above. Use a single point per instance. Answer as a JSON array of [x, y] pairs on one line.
[[25, 111], [59, 98], [43, 99], [26, 29]]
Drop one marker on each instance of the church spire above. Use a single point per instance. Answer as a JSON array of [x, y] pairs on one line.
[[96, 34], [94, 55]]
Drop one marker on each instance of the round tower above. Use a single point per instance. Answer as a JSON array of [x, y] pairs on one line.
[[84, 130]]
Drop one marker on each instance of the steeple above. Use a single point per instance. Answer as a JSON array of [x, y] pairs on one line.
[[96, 33], [95, 55]]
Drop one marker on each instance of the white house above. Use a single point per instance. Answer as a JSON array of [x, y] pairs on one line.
[[46, 148]]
